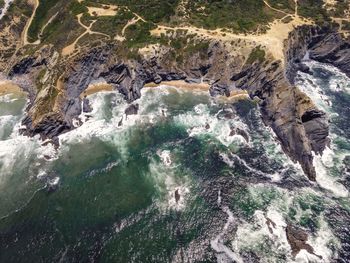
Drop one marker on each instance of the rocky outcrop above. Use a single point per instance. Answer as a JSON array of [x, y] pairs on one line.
[[323, 44], [300, 127], [297, 239]]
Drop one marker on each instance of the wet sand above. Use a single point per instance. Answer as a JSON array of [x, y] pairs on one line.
[[182, 84], [7, 87], [235, 95], [94, 88]]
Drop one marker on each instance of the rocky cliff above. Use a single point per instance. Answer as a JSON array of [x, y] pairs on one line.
[[300, 127]]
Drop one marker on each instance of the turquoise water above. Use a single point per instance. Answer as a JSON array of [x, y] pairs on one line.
[[171, 184]]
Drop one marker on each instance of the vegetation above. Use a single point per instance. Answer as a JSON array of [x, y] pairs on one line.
[[40, 18], [339, 8], [313, 9], [285, 5], [58, 18], [257, 55], [151, 10], [137, 35], [240, 15], [65, 12], [113, 25]]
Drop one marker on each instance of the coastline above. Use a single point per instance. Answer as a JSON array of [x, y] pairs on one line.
[[181, 84], [7, 87], [236, 94]]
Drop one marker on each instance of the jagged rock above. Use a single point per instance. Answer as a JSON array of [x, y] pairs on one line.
[[86, 105], [317, 129], [132, 109], [243, 133], [297, 240], [177, 196], [271, 82]]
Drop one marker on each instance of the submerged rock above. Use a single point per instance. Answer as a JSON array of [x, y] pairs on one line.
[[177, 196], [132, 109], [297, 239]]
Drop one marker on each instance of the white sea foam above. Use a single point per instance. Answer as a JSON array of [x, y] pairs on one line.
[[54, 181], [218, 245], [308, 86], [165, 156], [320, 243], [229, 160], [168, 184], [200, 122], [324, 179], [7, 98]]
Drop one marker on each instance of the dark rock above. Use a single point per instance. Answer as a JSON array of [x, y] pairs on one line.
[[233, 132], [297, 239], [243, 133], [86, 105], [120, 123], [317, 129], [226, 113], [177, 196], [270, 224], [270, 82], [132, 109]]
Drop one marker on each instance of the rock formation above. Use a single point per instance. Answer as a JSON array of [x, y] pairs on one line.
[[300, 127]]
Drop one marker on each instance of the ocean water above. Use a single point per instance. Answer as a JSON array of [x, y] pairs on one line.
[[173, 183]]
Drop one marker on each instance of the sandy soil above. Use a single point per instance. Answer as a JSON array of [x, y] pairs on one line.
[[235, 95], [182, 84], [7, 87], [110, 11], [94, 88], [272, 40]]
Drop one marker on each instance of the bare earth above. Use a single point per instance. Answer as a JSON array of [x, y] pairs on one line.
[[108, 11]]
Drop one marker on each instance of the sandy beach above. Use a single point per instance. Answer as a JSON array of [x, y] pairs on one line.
[[94, 88], [182, 84], [7, 87], [236, 94]]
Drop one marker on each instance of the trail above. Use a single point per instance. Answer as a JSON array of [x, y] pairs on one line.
[[275, 9], [48, 22], [132, 21], [68, 50], [272, 39], [25, 32]]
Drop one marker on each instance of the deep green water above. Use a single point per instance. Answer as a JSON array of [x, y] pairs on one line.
[[108, 193]]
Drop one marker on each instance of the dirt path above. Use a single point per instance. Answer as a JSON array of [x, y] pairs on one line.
[[132, 21], [48, 22], [107, 10], [275, 9], [25, 31], [68, 50], [272, 40]]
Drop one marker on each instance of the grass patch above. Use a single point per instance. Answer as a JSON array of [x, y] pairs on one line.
[[239, 15], [257, 55], [313, 9]]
